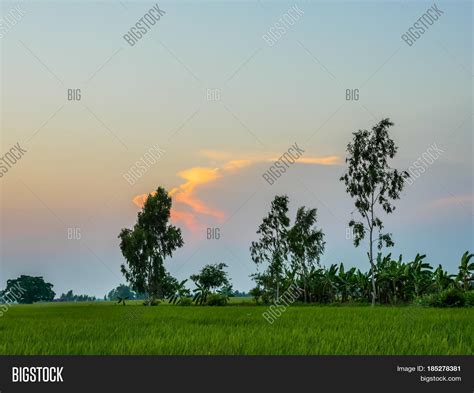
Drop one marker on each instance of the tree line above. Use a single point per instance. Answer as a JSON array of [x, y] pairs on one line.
[[285, 254], [289, 254]]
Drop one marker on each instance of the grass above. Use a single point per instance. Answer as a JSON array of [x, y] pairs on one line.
[[106, 328]]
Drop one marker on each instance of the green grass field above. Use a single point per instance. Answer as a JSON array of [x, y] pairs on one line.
[[107, 328]]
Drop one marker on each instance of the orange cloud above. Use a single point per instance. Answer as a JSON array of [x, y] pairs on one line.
[[185, 193], [453, 199], [185, 201], [328, 160]]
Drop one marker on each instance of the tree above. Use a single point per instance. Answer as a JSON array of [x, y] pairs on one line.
[[122, 291], [148, 244], [306, 245], [272, 248], [71, 297], [27, 289], [210, 277], [372, 183]]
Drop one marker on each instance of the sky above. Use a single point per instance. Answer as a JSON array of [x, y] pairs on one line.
[[221, 104]]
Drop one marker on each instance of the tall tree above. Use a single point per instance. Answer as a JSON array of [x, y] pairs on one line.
[[148, 244], [272, 247], [371, 181], [306, 245]]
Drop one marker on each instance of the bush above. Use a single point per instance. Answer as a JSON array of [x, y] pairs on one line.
[[154, 303], [185, 301], [214, 299], [431, 300], [469, 298], [450, 297]]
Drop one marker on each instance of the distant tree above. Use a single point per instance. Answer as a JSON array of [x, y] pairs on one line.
[[272, 247], [148, 244], [372, 182], [71, 297], [306, 245], [66, 297], [211, 277], [237, 293], [122, 291], [28, 289]]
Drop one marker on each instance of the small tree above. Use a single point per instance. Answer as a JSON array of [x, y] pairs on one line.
[[306, 245], [272, 247], [211, 277], [27, 289], [372, 182], [146, 246]]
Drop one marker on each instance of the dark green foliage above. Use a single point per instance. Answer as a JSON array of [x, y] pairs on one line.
[[70, 297], [397, 283], [451, 297], [210, 278], [256, 293], [466, 269], [287, 253], [306, 245], [185, 301], [469, 298], [122, 291], [272, 247], [27, 289], [179, 293], [216, 299], [148, 244]]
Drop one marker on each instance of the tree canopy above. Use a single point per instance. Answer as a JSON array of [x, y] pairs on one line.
[[146, 246]]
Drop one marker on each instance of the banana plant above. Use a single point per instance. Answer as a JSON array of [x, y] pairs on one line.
[[200, 294], [465, 275], [441, 279], [179, 293]]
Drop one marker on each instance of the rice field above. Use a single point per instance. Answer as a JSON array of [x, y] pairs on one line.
[[106, 328]]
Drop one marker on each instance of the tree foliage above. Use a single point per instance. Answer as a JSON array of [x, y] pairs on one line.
[[210, 278], [28, 289], [272, 247], [146, 246], [372, 183]]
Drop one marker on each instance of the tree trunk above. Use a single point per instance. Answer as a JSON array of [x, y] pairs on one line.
[[371, 256]]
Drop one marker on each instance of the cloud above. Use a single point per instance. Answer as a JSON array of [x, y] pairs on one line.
[[187, 206], [464, 200]]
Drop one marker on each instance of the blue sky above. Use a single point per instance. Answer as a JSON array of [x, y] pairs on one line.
[[154, 93]]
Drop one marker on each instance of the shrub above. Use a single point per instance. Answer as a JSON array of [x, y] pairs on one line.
[[154, 303], [451, 297], [185, 301], [469, 298], [215, 299]]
